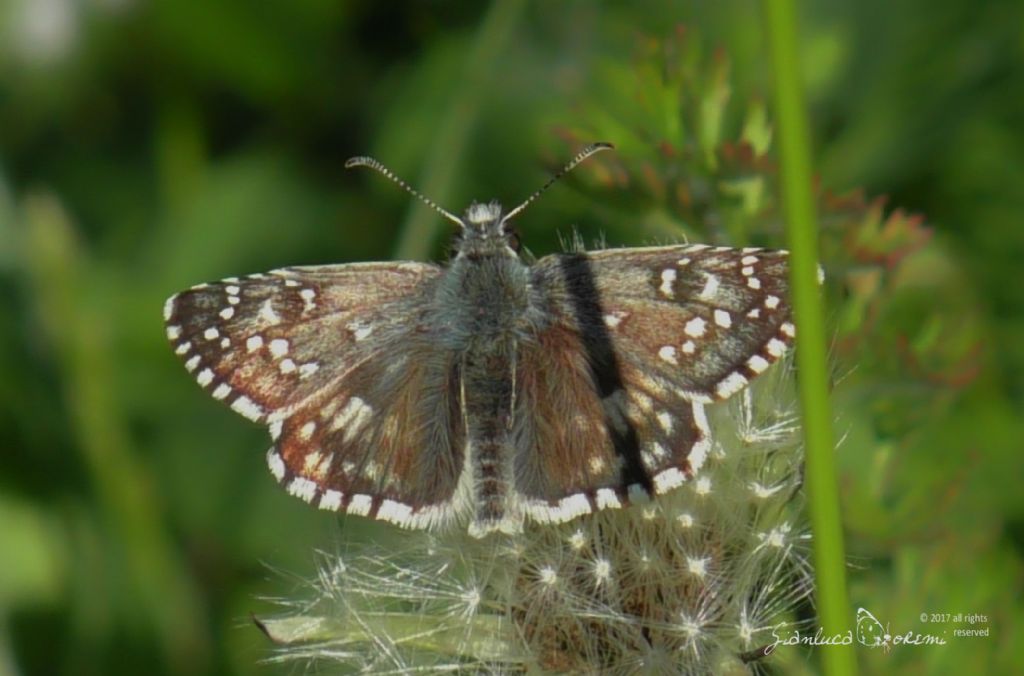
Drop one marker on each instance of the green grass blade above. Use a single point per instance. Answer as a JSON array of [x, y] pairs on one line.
[[799, 210]]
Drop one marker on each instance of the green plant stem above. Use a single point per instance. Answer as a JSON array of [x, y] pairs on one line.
[[419, 230], [801, 225]]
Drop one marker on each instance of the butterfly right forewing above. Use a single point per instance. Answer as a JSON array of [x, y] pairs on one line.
[[705, 319], [663, 331]]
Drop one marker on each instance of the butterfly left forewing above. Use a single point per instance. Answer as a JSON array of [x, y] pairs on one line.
[[265, 343], [339, 362]]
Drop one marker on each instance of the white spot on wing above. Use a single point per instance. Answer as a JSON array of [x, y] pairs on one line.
[[184, 348], [699, 452], [606, 498], [695, 327], [192, 363], [267, 314], [307, 299], [754, 283], [279, 347], [757, 363], [613, 319], [689, 347], [287, 366], [352, 417], [227, 313], [668, 353], [749, 260], [205, 377], [302, 487], [733, 383], [276, 464], [254, 343], [668, 277], [306, 431], [169, 307], [572, 506], [669, 479], [776, 347], [310, 462], [723, 319], [211, 334], [222, 391], [331, 500], [771, 302], [173, 332], [788, 329], [360, 330], [308, 369], [360, 505], [395, 512], [247, 407], [710, 289]]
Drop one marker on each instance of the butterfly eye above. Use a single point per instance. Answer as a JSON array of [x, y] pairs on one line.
[[511, 238]]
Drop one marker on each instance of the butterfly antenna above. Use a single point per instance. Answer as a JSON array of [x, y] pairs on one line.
[[371, 163], [592, 149]]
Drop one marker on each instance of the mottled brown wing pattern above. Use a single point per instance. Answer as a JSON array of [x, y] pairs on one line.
[[600, 442], [705, 319], [387, 442], [639, 341], [315, 352]]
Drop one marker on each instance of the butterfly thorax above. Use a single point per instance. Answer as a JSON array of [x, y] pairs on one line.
[[485, 291]]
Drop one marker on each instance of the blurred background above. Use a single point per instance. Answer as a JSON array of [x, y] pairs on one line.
[[146, 146]]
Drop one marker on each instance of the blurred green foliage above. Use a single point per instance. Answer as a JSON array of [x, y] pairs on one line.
[[147, 146]]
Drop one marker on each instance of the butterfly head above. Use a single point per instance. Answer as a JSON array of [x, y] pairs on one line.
[[486, 230]]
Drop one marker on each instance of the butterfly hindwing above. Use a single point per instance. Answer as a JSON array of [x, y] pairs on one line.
[[586, 451], [394, 451]]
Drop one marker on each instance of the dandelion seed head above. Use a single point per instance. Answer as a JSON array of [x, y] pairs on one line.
[[548, 576], [602, 570], [681, 584], [697, 566]]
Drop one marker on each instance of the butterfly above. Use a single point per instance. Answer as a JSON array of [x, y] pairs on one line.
[[492, 390]]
